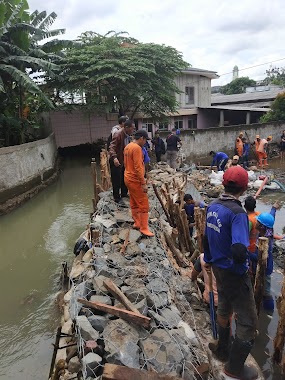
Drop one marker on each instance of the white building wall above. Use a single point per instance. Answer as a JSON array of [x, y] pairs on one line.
[[202, 90]]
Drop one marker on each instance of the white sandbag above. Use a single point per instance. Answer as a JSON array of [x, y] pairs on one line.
[[272, 186], [257, 183], [251, 175]]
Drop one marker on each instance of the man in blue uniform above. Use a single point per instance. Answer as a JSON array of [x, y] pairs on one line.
[[225, 249], [220, 159]]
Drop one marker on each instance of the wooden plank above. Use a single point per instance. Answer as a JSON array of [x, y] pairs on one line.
[[260, 272], [127, 315], [116, 372], [117, 293], [279, 340]]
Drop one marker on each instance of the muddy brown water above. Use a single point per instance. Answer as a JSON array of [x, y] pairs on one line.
[[35, 239]]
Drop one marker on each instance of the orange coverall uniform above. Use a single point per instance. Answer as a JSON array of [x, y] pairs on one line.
[[134, 177], [261, 152], [239, 146]]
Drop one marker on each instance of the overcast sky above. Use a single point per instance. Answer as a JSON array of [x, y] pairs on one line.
[[212, 35]]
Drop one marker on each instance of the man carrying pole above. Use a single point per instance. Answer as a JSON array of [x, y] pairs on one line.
[[225, 249]]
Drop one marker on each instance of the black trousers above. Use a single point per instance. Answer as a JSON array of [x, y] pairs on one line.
[[120, 190], [158, 156]]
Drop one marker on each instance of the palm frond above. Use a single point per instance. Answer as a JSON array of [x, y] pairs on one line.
[[25, 81], [13, 17], [11, 48], [48, 33], [2, 87], [48, 21], [22, 27], [41, 63], [37, 17], [57, 45]]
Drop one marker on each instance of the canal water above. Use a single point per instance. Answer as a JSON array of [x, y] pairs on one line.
[[35, 239]]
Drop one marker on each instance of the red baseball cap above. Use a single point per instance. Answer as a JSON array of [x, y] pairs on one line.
[[236, 176]]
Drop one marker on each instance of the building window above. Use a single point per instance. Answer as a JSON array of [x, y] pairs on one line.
[[147, 126], [163, 126], [189, 95], [178, 124], [192, 123]]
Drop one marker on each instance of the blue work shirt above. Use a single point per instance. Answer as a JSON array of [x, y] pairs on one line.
[[218, 157], [226, 224]]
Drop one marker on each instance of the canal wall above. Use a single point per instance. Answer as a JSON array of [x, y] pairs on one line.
[[25, 170], [197, 144]]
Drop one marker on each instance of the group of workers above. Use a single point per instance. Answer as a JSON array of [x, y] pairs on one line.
[[128, 157], [230, 239], [231, 255], [242, 150]]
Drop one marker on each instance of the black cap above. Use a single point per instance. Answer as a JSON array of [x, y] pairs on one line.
[[141, 133]]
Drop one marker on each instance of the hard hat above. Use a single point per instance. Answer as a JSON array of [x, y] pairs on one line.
[[266, 219], [269, 138]]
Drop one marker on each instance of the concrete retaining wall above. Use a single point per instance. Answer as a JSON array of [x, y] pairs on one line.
[[24, 168], [198, 143]]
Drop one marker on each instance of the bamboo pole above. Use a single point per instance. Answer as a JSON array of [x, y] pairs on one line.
[[94, 177], [162, 205], [279, 340], [260, 272]]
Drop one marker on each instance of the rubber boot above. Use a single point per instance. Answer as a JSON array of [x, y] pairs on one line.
[[221, 348], [235, 366], [144, 225], [136, 217]]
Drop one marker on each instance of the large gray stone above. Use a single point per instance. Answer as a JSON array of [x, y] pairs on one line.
[[134, 235], [102, 299], [157, 301], [92, 362], [121, 343], [162, 353], [142, 307], [157, 286], [98, 322], [122, 216], [136, 295], [86, 330], [172, 317], [74, 365]]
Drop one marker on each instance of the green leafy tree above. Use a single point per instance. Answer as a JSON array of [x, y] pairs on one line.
[[118, 73], [276, 75], [277, 112], [237, 86], [22, 54]]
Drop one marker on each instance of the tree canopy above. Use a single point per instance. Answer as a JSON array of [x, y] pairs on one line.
[[118, 73], [277, 111], [21, 54], [237, 86], [276, 75]]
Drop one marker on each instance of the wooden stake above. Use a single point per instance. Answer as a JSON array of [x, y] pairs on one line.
[[176, 253], [116, 372], [279, 340], [126, 242], [260, 272], [128, 316], [162, 205], [119, 295], [94, 176]]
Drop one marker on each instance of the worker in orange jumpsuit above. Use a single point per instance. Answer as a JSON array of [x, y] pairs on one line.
[[136, 182], [239, 145], [262, 151]]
